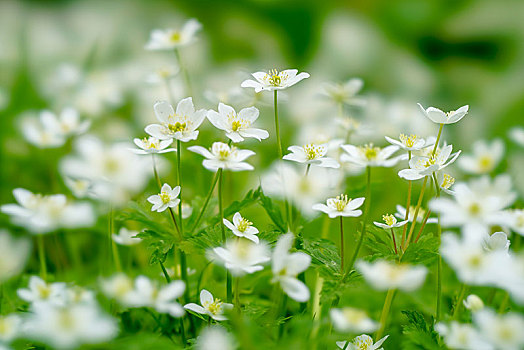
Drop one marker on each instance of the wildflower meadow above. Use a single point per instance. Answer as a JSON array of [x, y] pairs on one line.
[[175, 177]]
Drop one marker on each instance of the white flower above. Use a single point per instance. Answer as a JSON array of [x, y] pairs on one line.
[[214, 338], [445, 181], [485, 158], [162, 75], [13, 255], [41, 214], [212, 307], [345, 93], [517, 221], [439, 117], [498, 241], [167, 198], [341, 206], [241, 227], [10, 326], [36, 133], [352, 320], [274, 80], [502, 331], [68, 123], [517, 135], [390, 222], [286, 267], [80, 188], [237, 126], [169, 39], [224, 157], [152, 145], [126, 237], [411, 142], [401, 214], [187, 210], [241, 256], [311, 154], [163, 299], [421, 166], [363, 342], [473, 303], [384, 275], [70, 326], [368, 155], [462, 336], [181, 125], [40, 291], [119, 287]]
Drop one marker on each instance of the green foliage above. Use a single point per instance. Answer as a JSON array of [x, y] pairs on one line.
[[159, 244], [425, 251], [210, 237], [418, 334], [379, 242], [272, 211], [324, 256]]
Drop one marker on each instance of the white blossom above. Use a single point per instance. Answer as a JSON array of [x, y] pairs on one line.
[[369, 155], [352, 320], [485, 158], [440, 117], [241, 257], [274, 80], [167, 198], [222, 156], [152, 145], [341, 206], [237, 126], [168, 39], [213, 307], [384, 275], [241, 227], [311, 154]]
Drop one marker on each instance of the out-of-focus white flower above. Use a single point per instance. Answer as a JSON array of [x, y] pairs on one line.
[[439, 117], [237, 126], [411, 142], [311, 154], [187, 210], [68, 123], [274, 80], [212, 307], [345, 93], [284, 181], [126, 237], [119, 287], [462, 336], [241, 256], [341, 206], [517, 221], [286, 267], [368, 155], [517, 135], [41, 214], [384, 275], [222, 156], [498, 241], [390, 222], [168, 39], [473, 303], [401, 214], [38, 134], [420, 166], [79, 295], [39, 291], [352, 320], [80, 188], [363, 342], [502, 331], [181, 125], [147, 293], [214, 338], [152, 145], [167, 198], [241, 227], [13, 255], [162, 75], [10, 326], [485, 158], [70, 326]]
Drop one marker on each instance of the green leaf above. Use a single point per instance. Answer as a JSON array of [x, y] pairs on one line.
[[272, 211], [418, 334], [425, 251], [335, 285], [158, 243], [379, 242], [134, 213], [210, 237], [324, 256]]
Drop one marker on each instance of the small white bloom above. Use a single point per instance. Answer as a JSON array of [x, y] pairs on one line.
[[274, 80], [213, 307], [485, 158], [214, 338], [421, 166], [311, 154], [36, 133], [352, 320], [401, 214], [473, 303], [80, 188], [517, 221], [498, 241], [68, 123], [384, 275], [152, 145], [241, 256], [119, 287], [286, 267], [167, 198], [341, 206], [363, 342], [411, 142], [147, 293], [439, 117], [502, 331], [346, 93], [445, 181], [462, 336], [181, 125], [241, 227], [13, 255], [368, 155], [517, 135], [10, 326], [222, 156], [187, 210], [237, 126], [169, 39], [126, 237], [390, 222], [40, 291]]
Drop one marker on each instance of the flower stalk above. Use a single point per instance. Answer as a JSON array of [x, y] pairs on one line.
[[277, 126], [364, 222], [385, 312], [41, 257]]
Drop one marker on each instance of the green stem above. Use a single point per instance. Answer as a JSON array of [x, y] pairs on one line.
[[458, 304], [237, 293], [206, 202], [307, 169], [385, 312], [189, 90], [504, 303], [164, 271], [229, 281], [394, 241], [415, 214], [341, 244], [438, 139], [114, 247], [157, 178], [277, 126], [439, 261], [41, 256], [183, 263], [366, 212]]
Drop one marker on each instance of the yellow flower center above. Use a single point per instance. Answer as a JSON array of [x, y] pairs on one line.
[[313, 152], [178, 126], [5, 328], [475, 261], [354, 316], [430, 161], [164, 196], [389, 219], [340, 202], [474, 209], [150, 144], [408, 141], [370, 152], [175, 36], [485, 163], [520, 220], [447, 182], [44, 291], [243, 224], [363, 343], [214, 307], [66, 320]]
